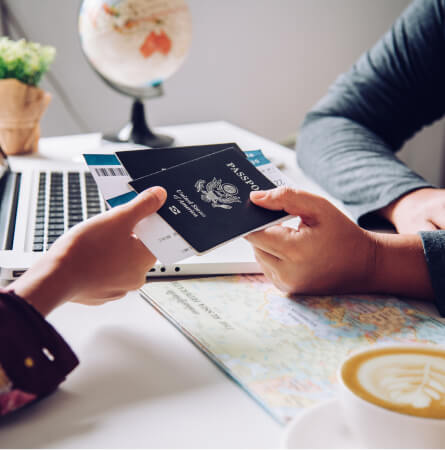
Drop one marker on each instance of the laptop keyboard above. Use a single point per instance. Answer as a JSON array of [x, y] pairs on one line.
[[93, 197], [39, 226], [75, 214], [53, 216], [56, 217]]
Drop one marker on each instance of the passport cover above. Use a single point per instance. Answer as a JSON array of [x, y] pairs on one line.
[[208, 198], [139, 163]]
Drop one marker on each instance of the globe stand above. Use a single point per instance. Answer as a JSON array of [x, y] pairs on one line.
[[137, 130]]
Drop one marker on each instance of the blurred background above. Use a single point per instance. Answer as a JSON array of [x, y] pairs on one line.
[[260, 64]]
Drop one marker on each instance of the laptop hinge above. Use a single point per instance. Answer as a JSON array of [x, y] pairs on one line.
[[8, 209]]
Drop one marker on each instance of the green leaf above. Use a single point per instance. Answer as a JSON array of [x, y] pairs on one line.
[[24, 61]]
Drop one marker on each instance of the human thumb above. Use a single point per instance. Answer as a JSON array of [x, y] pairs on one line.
[[296, 203], [144, 204]]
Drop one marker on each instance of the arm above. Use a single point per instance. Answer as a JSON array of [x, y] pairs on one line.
[[84, 265], [348, 140]]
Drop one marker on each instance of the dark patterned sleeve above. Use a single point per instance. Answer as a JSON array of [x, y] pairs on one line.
[[34, 359], [434, 248]]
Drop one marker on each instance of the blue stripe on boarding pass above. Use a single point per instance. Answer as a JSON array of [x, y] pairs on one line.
[[256, 157], [121, 199], [101, 160]]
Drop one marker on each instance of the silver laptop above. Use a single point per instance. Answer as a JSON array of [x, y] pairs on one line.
[[36, 207]]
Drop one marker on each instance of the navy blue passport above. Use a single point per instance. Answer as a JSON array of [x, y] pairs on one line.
[[139, 163], [208, 198]]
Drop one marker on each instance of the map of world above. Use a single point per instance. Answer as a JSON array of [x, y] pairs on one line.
[[285, 351]]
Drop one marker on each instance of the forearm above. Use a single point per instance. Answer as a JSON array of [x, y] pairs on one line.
[[353, 164], [400, 266], [44, 286]]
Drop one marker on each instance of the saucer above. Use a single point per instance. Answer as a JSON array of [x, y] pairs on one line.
[[321, 426]]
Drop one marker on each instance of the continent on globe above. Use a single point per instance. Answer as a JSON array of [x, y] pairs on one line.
[[156, 42]]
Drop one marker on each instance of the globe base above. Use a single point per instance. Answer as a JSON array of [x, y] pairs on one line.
[[148, 140], [138, 132]]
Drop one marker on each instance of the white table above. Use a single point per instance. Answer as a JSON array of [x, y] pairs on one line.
[[140, 382]]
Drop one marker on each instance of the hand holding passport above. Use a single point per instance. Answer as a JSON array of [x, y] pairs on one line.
[[208, 189]]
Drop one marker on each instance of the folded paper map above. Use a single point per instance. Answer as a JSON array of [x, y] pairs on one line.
[[285, 350]]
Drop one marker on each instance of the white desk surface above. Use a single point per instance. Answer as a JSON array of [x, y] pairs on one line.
[[140, 383]]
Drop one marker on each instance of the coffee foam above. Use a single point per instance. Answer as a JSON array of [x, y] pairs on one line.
[[408, 381]]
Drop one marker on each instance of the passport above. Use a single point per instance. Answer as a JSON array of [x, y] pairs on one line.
[[208, 198], [139, 163]]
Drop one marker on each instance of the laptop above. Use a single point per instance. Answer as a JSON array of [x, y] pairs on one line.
[[38, 206]]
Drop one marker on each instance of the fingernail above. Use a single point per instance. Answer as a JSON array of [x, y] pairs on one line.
[[257, 195], [160, 193]]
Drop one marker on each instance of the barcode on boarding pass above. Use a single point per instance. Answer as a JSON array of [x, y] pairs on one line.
[[111, 172]]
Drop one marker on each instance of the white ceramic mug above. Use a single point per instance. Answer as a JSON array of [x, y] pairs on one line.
[[378, 427]]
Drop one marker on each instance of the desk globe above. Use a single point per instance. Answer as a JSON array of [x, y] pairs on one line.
[[134, 45]]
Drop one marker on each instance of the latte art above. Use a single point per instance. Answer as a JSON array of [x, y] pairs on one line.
[[409, 381], [415, 380]]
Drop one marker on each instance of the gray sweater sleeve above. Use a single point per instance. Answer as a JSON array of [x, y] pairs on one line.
[[348, 141]]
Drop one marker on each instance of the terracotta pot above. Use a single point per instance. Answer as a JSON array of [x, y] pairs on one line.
[[21, 108]]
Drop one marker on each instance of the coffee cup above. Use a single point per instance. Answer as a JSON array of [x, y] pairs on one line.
[[393, 396]]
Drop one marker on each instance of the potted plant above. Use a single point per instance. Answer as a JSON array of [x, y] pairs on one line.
[[22, 103]]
